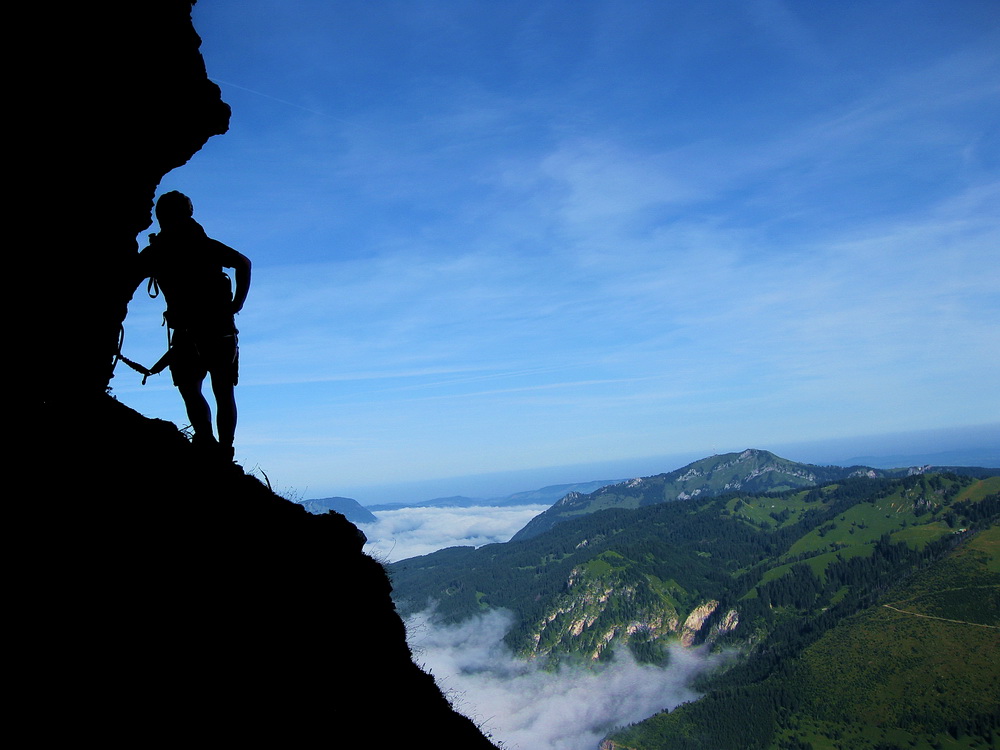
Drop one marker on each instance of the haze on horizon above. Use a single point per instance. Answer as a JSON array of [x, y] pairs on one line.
[[498, 237], [408, 531]]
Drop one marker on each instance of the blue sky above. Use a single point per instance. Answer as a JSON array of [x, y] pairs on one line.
[[500, 235]]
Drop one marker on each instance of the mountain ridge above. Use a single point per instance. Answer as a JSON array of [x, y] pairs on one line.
[[752, 470], [348, 507]]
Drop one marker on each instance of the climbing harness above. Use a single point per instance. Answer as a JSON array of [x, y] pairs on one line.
[[153, 290], [156, 369]]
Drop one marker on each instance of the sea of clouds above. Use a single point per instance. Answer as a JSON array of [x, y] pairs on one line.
[[515, 701], [408, 532], [527, 708]]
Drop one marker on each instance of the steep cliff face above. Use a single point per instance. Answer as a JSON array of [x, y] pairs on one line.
[[158, 597], [602, 605]]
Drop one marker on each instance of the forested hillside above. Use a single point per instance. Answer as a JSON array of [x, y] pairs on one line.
[[767, 574], [918, 669]]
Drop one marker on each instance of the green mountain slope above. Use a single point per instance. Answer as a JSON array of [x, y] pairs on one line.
[[766, 574], [919, 669], [728, 567], [751, 471]]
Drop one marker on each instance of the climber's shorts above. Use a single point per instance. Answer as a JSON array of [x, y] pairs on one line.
[[194, 354]]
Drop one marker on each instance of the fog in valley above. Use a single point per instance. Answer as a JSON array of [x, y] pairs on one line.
[[515, 701], [526, 708]]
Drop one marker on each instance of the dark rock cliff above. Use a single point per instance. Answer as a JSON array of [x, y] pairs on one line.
[[112, 97], [157, 597], [165, 597]]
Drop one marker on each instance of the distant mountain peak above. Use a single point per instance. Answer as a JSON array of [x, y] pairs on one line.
[[348, 507], [749, 470]]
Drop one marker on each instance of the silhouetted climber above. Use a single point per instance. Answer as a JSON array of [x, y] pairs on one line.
[[187, 265]]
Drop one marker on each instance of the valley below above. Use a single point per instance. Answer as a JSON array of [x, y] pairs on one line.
[[851, 608]]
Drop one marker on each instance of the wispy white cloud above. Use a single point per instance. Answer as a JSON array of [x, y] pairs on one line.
[[602, 232]]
